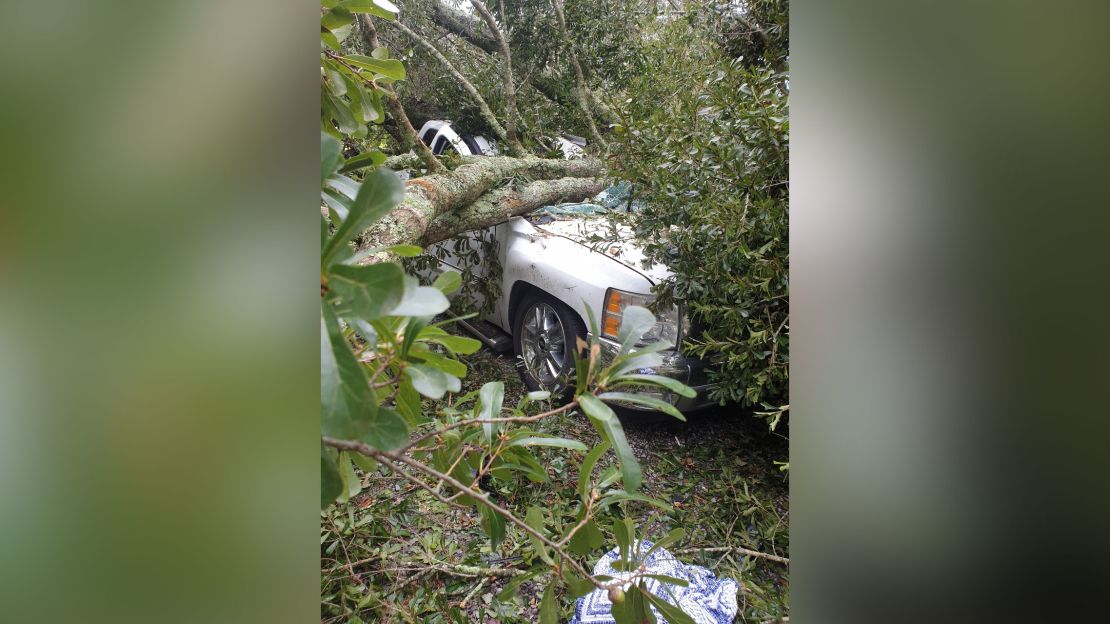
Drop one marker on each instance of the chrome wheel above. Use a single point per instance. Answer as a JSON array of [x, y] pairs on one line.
[[543, 345]]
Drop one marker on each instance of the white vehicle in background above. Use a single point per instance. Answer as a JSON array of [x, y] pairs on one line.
[[439, 135]]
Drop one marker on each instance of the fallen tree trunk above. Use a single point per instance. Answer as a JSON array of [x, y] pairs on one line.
[[500, 204], [438, 194]]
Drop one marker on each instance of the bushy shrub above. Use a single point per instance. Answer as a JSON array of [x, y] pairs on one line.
[[705, 142]]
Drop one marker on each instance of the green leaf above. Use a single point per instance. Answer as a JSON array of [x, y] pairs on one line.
[[670, 538], [388, 430], [420, 300], [588, 468], [647, 401], [329, 156], [605, 420], [431, 382], [372, 158], [453, 368], [587, 539], [391, 68], [367, 464], [336, 18], [362, 105], [456, 344], [380, 53], [549, 607], [490, 398], [331, 486], [408, 402], [622, 532], [534, 519], [448, 282], [663, 578], [335, 82], [618, 496], [379, 193], [673, 614], [506, 594], [347, 403], [576, 585], [341, 113], [369, 292], [669, 383], [380, 8], [574, 445], [351, 484], [635, 322], [493, 524], [634, 362]]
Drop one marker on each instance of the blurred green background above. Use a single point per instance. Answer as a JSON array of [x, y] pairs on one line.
[[948, 305], [158, 252]]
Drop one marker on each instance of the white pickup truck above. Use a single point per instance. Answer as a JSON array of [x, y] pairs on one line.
[[550, 273], [552, 268]]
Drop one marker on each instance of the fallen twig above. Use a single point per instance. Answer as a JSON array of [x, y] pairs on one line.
[[745, 551]]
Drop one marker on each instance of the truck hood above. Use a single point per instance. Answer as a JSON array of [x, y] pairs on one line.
[[615, 241]]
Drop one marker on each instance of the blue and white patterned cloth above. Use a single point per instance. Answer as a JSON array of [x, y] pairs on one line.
[[708, 600]]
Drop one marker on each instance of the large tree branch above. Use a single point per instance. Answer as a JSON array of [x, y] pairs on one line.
[[462, 25], [370, 35], [507, 78], [500, 204], [483, 107], [582, 92], [473, 32], [430, 196]]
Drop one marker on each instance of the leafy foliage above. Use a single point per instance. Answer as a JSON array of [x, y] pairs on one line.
[[395, 394], [706, 144]]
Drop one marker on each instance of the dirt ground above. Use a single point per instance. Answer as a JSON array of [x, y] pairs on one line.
[[717, 469]]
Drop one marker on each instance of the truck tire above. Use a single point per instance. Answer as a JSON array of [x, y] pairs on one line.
[[545, 332]]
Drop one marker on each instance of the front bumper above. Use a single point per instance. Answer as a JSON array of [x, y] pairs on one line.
[[689, 370]]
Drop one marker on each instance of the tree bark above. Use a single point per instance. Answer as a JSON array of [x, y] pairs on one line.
[[500, 204], [438, 194], [507, 79], [473, 32], [462, 25], [483, 107], [582, 92]]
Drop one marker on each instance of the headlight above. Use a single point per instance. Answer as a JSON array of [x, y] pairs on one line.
[[666, 326]]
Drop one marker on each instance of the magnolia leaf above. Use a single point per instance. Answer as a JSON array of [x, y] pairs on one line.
[[644, 400], [369, 292], [448, 282], [431, 382], [420, 300], [635, 322], [587, 468], [331, 486], [606, 421], [549, 606], [669, 383], [573, 445], [371, 158], [490, 398], [391, 68], [379, 193], [329, 156]]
